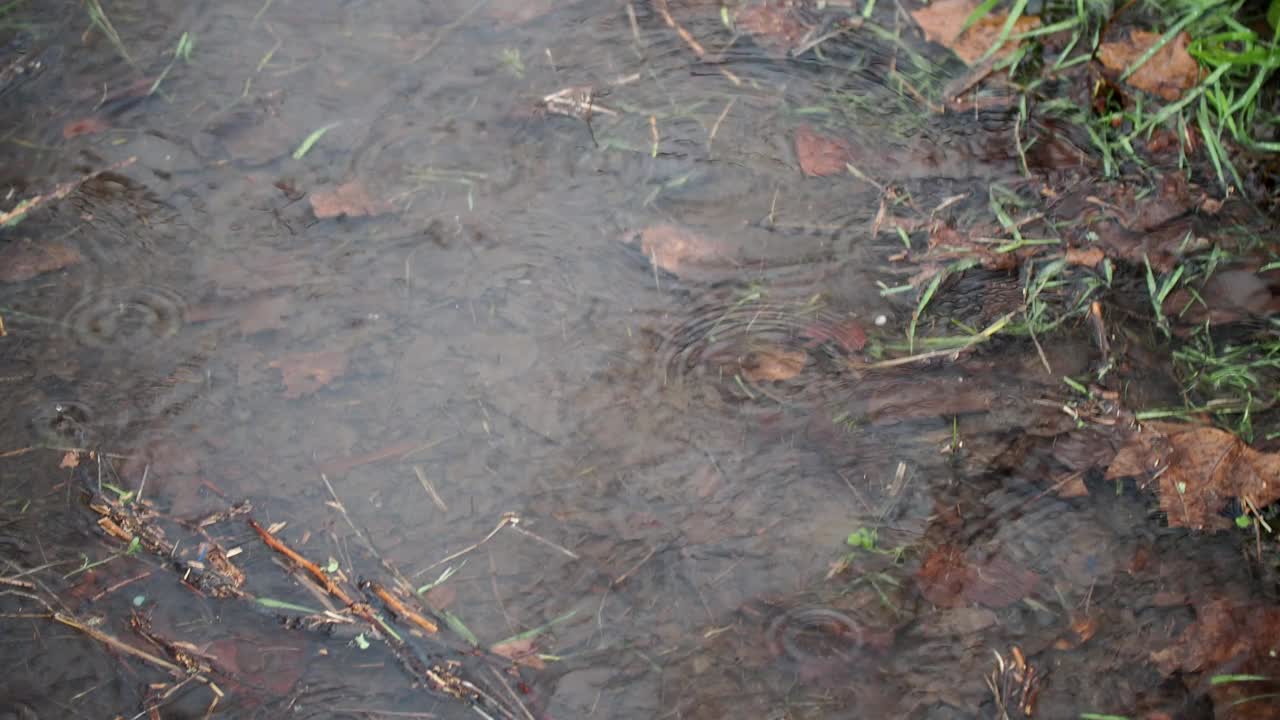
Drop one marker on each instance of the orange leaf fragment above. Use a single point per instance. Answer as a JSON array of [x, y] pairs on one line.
[[677, 249], [942, 21], [305, 373], [774, 24], [1167, 74], [351, 199], [772, 364], [70, 460], [1086, 257], [821, 155]]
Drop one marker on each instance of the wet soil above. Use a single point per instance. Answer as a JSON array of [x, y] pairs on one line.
[[653, 331]]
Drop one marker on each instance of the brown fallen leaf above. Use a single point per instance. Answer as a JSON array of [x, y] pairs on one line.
[[773, 24], [773, 364], [84, 126], [1200, 470], [521, 651], [849, 335], [950, 578], [351, 199], [821, 155], [21, 261], [305, 373], [1085, 257], [1230, 639], [1167, 74], [264, 313], [253, 315], [678, 250], [1230, 295], [70, 460], [942, 21]]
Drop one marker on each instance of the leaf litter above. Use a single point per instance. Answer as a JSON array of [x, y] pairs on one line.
[[943, 23], [306, 373], [1200, 471], [1168, 73], [351, 199]]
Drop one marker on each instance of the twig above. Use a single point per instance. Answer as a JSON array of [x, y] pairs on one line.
[[20, 211], [623, 577], [431, 489], [514, 698], [397, 606], [117, 644], [685, 35], [545, 541], [507, 519], [716, 127]]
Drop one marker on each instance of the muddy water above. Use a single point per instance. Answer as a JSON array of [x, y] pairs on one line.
[[496, 335]]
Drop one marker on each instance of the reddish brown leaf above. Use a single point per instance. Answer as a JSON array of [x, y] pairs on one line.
[[1200, 470], [1086, 257], [84, 126], [521, 652], [942, 21], [1168, 73], [305, 373], [21, 261], [678, 250], [265, 313], [351, 199], [820, 155], [271, 665], [848, 334], [773, 24], [253, 315], [772, 364], [1229, 639], [949, 578]]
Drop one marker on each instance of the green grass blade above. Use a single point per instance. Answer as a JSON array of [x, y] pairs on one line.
[[312, 139]]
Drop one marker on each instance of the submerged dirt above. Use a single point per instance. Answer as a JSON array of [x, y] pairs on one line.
[[646, 317]]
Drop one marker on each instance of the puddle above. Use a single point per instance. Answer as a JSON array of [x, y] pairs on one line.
[[654, 319]]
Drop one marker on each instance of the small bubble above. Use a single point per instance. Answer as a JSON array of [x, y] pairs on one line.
[[881, 320]]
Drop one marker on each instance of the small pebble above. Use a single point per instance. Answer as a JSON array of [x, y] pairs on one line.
[[881, 320]]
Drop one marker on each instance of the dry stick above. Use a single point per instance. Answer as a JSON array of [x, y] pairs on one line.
[[440, 681], [685, 35], [623, 577], [514, 698], [397, 606], [716, 127], [316, 571], [507, 519], [430, 488], [544, 541], [117, 644], [404, 583], [59, 192]]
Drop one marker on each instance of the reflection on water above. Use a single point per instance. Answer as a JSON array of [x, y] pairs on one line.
[[689, 446]]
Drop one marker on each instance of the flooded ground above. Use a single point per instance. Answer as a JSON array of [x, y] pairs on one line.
[[564, 297]]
